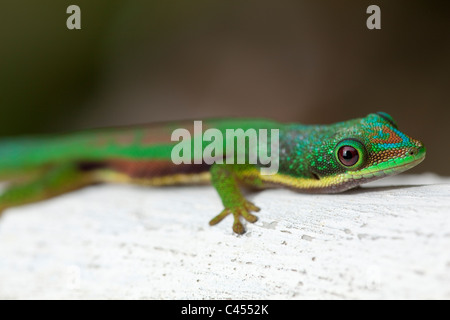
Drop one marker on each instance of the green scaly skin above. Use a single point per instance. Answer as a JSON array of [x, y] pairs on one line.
[[309, 160]]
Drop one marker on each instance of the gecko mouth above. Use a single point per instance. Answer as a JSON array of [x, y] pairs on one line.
[[388, 168], [350, 179]]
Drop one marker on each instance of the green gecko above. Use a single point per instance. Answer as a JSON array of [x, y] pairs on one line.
[[312, 158]]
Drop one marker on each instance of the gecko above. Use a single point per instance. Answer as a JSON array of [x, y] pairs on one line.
[[328, 158]]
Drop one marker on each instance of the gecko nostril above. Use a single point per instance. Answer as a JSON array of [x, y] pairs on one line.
[[412, 151]]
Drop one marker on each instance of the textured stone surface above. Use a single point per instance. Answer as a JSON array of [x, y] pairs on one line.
[[390, 239]]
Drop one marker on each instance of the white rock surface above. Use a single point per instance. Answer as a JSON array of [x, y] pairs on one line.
[[390, 239]]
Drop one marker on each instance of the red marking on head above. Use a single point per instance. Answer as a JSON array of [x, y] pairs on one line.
[[393, 137]]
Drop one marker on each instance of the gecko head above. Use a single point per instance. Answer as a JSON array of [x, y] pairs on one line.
[[364, 150]]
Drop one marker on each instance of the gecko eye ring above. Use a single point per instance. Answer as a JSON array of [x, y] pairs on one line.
[[350, 153]]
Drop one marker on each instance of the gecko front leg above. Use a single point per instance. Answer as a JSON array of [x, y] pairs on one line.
[[225, 179]]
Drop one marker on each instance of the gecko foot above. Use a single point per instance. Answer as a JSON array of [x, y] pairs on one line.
[[238, 211]]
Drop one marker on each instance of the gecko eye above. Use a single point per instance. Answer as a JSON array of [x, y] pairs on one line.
[[348, 155]]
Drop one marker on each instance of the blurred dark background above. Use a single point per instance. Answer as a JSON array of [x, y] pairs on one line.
[[298, 61]]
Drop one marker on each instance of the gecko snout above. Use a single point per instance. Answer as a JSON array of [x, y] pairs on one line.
[[413, 151], [418, 151]]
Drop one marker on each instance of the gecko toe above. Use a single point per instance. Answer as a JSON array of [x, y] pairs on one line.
[[251, 207], [249, 217], [219, 217], [238, 227]]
